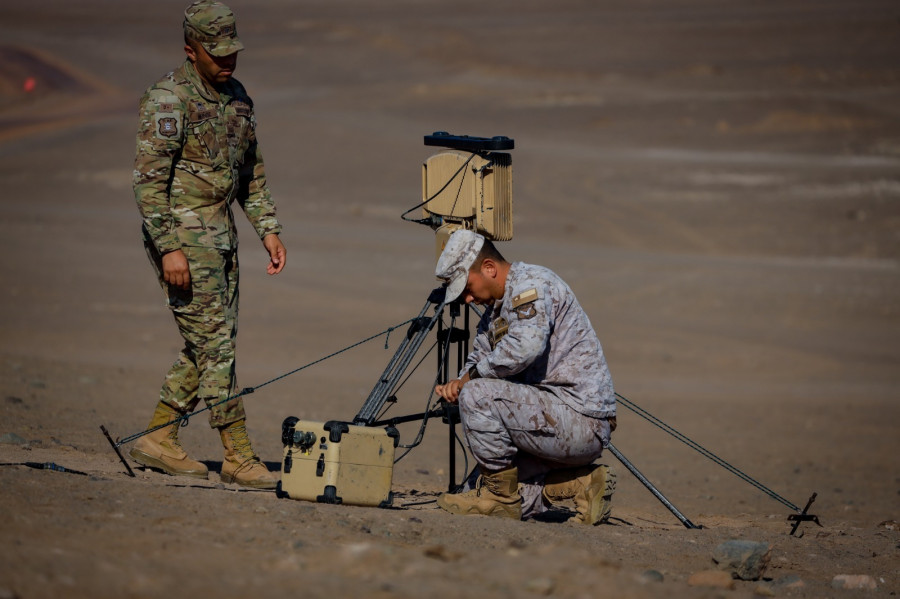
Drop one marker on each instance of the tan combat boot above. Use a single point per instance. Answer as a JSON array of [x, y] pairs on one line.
[[590, 486], [241, 465], [497, 495], [161, 450]]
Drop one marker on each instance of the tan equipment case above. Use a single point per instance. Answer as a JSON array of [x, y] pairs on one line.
[[337, 462]]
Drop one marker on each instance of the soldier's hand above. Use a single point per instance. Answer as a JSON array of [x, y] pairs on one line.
[[450, 391], [277, 253], [175, 269]]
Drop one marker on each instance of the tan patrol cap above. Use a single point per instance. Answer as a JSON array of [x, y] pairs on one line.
[[212, 24], [457, 258]]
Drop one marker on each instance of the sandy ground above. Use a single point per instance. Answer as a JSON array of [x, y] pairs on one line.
[[719, 182]]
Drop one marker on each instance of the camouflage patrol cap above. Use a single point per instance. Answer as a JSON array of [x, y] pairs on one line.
[[455, 261], [212, 24]]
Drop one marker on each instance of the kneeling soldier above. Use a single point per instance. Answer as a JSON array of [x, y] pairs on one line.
[[536, 398]]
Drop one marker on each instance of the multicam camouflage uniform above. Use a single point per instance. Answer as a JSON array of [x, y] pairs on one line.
[[541, 396], [196, 153]]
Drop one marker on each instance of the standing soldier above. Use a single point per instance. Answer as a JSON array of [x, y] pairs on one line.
[[536, 398], [196, 153]]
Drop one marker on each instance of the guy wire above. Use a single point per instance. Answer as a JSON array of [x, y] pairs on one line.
[[703, 451], [183, 419]]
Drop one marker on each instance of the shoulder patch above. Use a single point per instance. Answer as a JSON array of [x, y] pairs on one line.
[[524, 298], [167, 126], [526, 311]]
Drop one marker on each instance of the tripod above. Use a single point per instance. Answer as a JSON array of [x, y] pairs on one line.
[[419, 329], [384, 389]]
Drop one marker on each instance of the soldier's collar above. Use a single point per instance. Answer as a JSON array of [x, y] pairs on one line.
[[203, 88]]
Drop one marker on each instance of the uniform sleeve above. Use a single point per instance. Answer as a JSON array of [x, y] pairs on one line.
[[159, 142], [253, 194], [526, 339], [480, 345]]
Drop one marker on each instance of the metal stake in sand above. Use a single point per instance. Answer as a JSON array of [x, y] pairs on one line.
[[803, 516]]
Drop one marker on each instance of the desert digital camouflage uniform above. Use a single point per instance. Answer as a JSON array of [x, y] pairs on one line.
[[543, 396], [196, 154]]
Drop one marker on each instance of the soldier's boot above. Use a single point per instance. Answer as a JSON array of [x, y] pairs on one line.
[[497, 494], [591, 487], [241, 465], [161, 449]]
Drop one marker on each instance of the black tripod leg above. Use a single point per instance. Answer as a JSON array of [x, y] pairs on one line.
[[421, 326], [446, 339], [443, 358], [631, 468]]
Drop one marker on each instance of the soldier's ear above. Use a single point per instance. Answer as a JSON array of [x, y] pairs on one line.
[[191, 53], [489, 267]]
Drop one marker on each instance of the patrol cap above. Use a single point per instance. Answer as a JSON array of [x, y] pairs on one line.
[[212, 24], [455, 261]]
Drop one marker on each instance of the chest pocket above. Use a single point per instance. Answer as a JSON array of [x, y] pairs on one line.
[[203, 125], [238, 129]]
